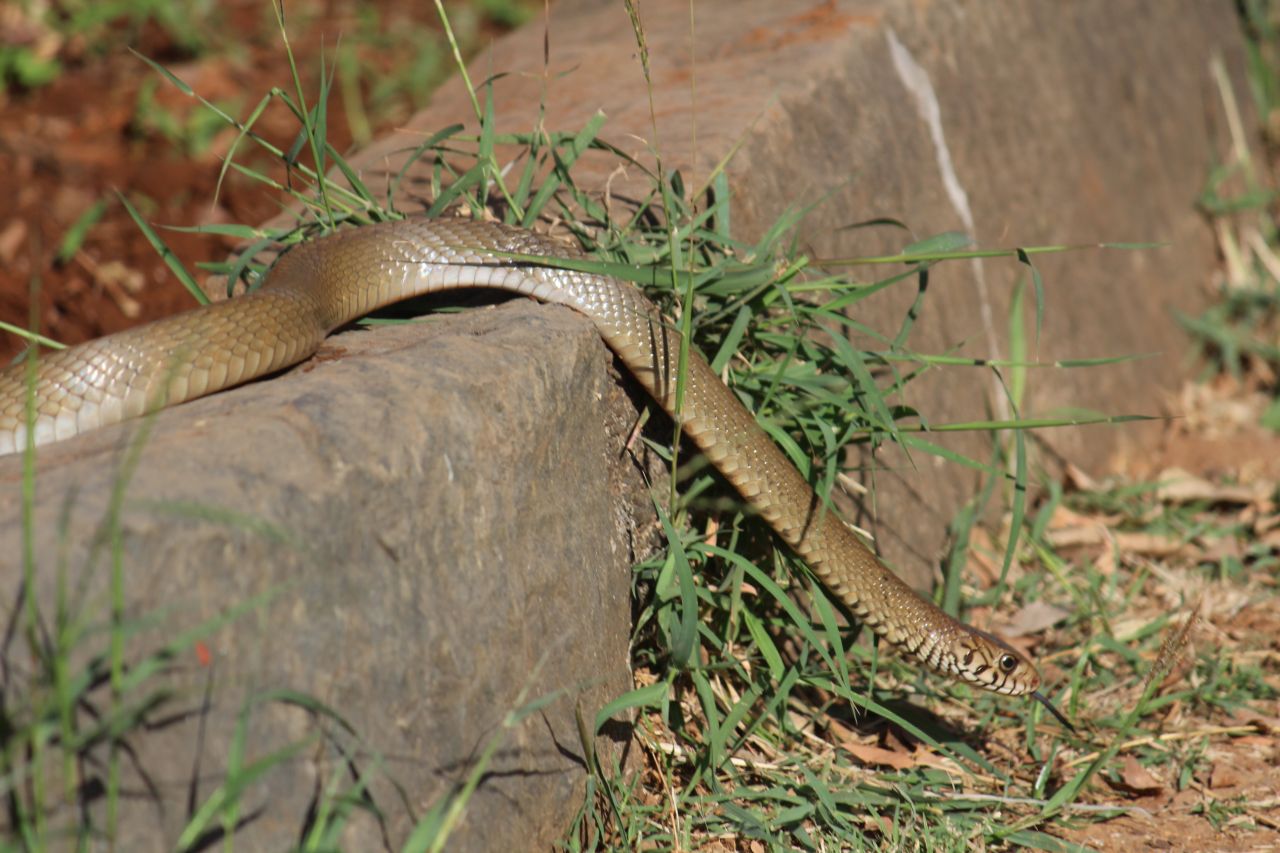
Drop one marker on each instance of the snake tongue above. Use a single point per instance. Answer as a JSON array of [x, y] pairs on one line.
[[1040, 697]]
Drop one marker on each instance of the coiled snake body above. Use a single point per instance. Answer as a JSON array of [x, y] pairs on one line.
[[327, 283]]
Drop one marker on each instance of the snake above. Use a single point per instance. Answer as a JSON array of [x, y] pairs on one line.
[[326, 283]]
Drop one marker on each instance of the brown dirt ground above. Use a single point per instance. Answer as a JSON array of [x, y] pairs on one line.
[[78, 140], [1217, 438], [65, 146]]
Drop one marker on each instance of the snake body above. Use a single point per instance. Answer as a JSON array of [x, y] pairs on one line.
[[321, 285]]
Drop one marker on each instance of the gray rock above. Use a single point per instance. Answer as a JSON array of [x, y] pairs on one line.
[[1055, 123], [430, 505]]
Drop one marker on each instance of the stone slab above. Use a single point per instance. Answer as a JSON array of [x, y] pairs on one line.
[[1027, 122], [414, 496]]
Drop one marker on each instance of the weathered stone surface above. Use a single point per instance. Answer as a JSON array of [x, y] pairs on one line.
[[1054, 123], [418, 499]]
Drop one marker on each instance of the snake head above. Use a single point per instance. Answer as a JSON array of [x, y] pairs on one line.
[[989, 662], [992, 664]]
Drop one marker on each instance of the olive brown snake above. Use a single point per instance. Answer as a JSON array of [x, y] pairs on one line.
[[326, 283]]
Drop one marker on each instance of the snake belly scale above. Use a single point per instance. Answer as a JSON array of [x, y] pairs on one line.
[[321, 285]]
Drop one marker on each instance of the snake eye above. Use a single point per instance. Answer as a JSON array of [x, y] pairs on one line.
[[1008, 663]]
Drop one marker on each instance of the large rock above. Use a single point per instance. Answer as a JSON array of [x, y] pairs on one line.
[[1022, 123], [448, 508], [437, 509]]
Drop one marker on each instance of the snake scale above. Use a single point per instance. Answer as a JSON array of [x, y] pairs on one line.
[[326, 283]]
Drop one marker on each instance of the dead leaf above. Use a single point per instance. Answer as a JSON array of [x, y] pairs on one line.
[[643, 677], [713, 527], [1107, 562], [1268, 517], [1137, 779], [1076, 537], [1267, 725], [1223, 776], [1077, 478], [1034, 618], [1223, 547], [1132, 543], [876, 756], [1148, 544], [879, 823], [12, 238], [981, 569], [1175, 485], [1066, 517]]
